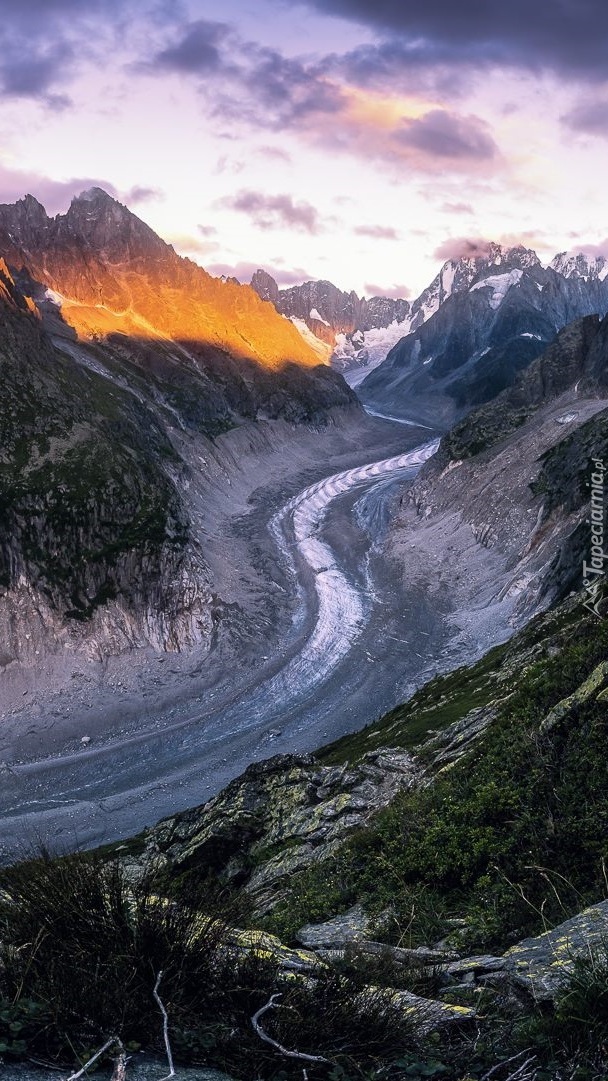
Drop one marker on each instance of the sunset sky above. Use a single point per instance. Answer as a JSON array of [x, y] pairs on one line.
[[353, 140]]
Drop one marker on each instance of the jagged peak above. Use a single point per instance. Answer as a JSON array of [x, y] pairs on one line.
[[95, 195], [29, 207], [580, 264]]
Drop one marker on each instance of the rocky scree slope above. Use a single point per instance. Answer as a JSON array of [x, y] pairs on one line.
[[480, 323], [274, 828], [493, 528]]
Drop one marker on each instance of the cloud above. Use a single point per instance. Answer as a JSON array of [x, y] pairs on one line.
[[568, 37], [207, 230], [377, 232], [44, 43], [274, 153], [394, 292], [588, 118], [140, 194], [275, 211], [457, 208], [397, 68], [325, 101], [461, 247], [33, 74], [250, 82], [594, 250], [197, 51], [55, 195], [186, 242], [442, 134], [244, 272]]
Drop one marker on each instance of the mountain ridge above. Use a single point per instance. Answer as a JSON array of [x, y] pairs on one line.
[[111, 273]]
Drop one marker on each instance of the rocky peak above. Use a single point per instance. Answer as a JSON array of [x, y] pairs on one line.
[[265, 286], [108, 227], [382, 311], [573, 264], [23, 224]]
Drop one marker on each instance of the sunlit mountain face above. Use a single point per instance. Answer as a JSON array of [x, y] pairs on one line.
[[335, 140], [108, 273]]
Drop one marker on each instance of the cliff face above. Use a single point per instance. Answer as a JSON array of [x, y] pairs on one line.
[[92, 521]]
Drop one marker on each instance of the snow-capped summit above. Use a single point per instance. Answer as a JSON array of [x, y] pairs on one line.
[[458, 275], [577, 264]]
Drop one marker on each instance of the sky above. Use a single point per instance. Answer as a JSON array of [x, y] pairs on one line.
[[360, 141]]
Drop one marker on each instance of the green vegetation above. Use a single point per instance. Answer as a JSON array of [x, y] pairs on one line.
[[85, 495], [512, 837]]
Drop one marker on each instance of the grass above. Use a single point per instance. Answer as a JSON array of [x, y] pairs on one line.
[[444, 700]]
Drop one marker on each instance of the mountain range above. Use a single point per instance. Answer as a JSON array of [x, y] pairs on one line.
[[482, 319]]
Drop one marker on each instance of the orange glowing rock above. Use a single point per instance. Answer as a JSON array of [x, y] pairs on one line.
[[113, 274]]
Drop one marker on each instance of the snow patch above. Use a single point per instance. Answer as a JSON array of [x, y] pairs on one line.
[[322, 349], [314, 314], [367, 350], [499, 284]]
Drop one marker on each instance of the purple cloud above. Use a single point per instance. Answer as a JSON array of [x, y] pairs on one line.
[[570, 38], [377, 232], [244, 272], [197, 51], [394, 292], [589, 118], [457, 208], [275, 211], [463, 247], [442, 134], [140, 194], [55, 195]]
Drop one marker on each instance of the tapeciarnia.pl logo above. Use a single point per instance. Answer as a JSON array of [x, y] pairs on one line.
[[594, 571]]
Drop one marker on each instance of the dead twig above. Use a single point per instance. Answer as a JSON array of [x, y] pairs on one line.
[[522, 1072], [255, 1021], [162, 1009], [107, 1045]]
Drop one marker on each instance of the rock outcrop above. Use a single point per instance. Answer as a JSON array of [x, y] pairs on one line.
[[280, 817]]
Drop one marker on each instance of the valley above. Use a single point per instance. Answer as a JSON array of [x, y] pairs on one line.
[[338, 625]]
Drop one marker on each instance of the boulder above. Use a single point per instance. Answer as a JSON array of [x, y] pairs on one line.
[[542, 965], [341, 931]]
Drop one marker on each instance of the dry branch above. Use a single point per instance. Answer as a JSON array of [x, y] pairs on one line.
[[165, 1028], [107, 1045], [524, 1072], [255, 1021]]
